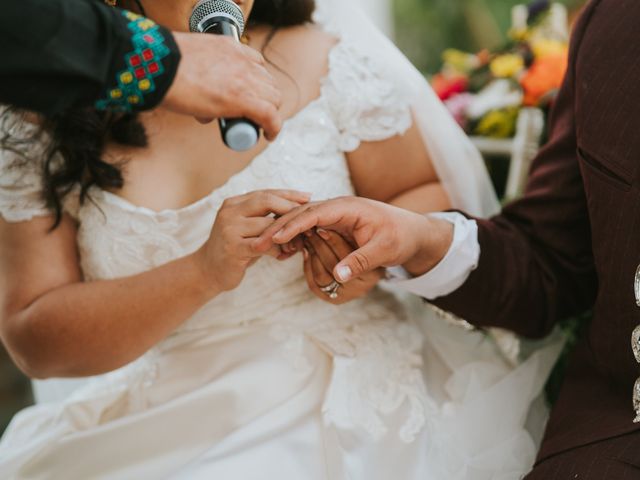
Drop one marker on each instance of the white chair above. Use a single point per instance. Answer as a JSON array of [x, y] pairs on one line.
[[519, 150]]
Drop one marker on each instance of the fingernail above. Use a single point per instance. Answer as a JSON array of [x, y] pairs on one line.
[[305, 253], [344, 273], [278, 235], [323, 233]]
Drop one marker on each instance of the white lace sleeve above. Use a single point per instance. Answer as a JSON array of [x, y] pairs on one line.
[[365, 102], [21, 182]]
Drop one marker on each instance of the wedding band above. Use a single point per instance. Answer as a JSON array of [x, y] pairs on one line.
[[331, 290]]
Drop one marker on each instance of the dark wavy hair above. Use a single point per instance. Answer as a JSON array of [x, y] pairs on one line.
[[78, 136]]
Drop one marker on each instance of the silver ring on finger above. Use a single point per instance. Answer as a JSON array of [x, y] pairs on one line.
[[331, 290]]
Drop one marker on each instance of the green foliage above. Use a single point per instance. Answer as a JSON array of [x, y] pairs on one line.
[[425, 28]]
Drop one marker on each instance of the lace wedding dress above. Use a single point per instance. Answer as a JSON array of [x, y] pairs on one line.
[[267, 381]]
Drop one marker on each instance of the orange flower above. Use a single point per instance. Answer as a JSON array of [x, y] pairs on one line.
[[484, 57], [544, 77]]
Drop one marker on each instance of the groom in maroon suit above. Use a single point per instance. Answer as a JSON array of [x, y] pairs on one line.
[[571, 244]]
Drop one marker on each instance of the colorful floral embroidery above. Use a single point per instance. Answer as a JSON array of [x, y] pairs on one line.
[[143, 65]]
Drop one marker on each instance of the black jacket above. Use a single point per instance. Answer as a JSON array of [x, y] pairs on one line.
[[56, 54]]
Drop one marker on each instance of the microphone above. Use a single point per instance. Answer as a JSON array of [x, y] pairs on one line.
[[224, 17]]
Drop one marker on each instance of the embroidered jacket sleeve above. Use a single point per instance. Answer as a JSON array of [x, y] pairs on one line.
[[62, 53]]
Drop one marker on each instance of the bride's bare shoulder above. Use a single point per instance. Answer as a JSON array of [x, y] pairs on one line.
[[301, 53], [307, 40]]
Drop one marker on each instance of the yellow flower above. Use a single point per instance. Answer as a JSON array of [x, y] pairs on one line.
[[460, 61], [546, 47], [508, 65], [498, 123], [519, 34]]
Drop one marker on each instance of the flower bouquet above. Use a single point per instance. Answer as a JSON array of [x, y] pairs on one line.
[[486, 91]]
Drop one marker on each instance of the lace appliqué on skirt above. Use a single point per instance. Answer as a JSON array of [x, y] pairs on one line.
[[376, 365]]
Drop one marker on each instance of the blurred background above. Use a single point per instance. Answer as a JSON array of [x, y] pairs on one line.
[[423, 29]]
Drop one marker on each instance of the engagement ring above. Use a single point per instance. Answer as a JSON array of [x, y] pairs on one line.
[[331, 290]]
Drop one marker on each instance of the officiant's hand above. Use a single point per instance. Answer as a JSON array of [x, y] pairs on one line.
[[219, 77], [322, 251], [229, 251], [385, 235]]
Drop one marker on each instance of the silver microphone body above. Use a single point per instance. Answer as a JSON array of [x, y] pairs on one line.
[[223, 17]]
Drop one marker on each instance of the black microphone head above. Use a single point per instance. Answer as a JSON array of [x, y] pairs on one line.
[[206, 10]]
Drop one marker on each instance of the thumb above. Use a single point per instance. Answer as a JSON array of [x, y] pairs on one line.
[[357, 263]]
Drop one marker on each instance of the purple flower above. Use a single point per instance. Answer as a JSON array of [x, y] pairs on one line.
[[536, 8]]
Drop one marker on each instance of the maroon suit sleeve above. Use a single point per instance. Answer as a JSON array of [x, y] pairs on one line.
[[536, 263]]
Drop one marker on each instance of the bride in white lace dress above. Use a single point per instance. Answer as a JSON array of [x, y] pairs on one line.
[[225, 365]]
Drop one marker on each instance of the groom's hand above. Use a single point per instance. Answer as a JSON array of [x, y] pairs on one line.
[[386, 236]]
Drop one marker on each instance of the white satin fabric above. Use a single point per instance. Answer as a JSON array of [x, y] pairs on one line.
[[268, 381]]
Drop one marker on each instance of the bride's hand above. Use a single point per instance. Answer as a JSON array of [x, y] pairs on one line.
[[323, 250], [228, 252]]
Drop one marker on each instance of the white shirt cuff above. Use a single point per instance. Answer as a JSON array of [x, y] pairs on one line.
[[452, 271]]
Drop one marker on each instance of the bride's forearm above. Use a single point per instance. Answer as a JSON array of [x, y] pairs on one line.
[[85, 329], [429, 197]]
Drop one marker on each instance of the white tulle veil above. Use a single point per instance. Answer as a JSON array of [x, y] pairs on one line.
[[458, 163]]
